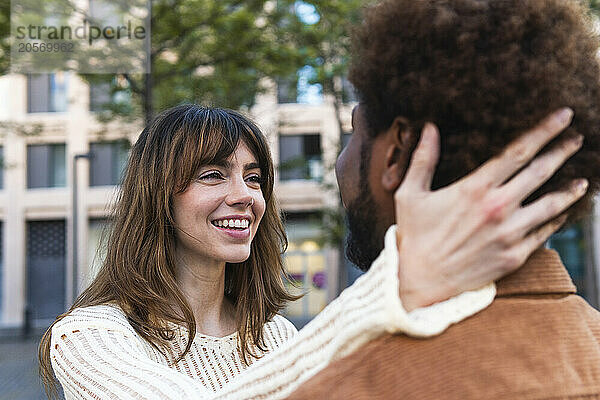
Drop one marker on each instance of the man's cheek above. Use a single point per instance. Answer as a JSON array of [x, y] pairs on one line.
[[339, 177]]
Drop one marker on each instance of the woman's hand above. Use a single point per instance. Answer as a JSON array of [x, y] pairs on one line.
[[475, 231]]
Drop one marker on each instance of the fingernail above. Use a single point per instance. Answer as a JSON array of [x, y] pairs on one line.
[[581, 186], [564, 115], [428, 131], [578, 140]]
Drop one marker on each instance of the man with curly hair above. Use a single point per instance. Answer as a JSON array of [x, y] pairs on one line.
[[483, 71]]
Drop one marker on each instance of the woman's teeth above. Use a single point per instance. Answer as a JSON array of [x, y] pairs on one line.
[[232, 223]]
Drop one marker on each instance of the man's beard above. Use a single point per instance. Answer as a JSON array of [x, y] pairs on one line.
[[365, 235]]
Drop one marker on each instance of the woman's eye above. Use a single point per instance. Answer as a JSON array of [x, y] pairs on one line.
[[255, 179], [211, 175]]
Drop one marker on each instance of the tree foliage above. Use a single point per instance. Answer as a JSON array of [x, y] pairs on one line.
[[218, 52], [326, 43], [208, 51], [4, 36]]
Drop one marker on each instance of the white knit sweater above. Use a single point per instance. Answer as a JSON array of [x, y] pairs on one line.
[[96, 354]]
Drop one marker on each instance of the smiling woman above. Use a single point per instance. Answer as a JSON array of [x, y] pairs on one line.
[[177, 254], [186, 301]]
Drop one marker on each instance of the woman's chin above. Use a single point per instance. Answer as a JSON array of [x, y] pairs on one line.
[[236, 259]]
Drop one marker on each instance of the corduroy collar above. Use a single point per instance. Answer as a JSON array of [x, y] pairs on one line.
[[542, 273]]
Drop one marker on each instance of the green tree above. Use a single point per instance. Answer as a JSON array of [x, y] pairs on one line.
[[6, 126], [4, 35], [326, 44], [208, 51], [321, 32]]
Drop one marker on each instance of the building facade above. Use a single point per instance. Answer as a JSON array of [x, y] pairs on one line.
[[52, 139]]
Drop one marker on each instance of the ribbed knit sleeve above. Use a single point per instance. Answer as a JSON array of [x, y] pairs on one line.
[[103, 358]]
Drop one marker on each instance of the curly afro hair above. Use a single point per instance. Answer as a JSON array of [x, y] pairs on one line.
[[484, 71]]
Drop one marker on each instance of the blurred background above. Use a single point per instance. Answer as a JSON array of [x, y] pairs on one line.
[[65, 137]]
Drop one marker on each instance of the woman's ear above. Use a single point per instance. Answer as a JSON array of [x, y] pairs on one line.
[[397, 154]]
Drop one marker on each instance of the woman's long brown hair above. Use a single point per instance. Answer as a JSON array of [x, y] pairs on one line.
[[139, 271]]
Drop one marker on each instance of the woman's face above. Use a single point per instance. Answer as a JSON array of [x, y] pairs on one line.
[[218, 214]]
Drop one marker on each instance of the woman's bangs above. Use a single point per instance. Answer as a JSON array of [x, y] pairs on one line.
[[217, 145]]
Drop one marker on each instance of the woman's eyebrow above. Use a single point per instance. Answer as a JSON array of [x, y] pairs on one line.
[[253, 165], [227, 165], [217, 163]]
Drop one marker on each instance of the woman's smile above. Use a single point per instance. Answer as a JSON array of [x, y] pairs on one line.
[[236, 226]]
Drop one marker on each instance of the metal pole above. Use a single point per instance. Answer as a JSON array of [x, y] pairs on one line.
[[75, 220]]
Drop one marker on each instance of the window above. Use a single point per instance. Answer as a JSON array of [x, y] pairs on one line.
[[99, 96], [46, 257], [108, 162], [287, 91], [300, 157], [46, 165], [47, 92], [96, 247], [305, 262]]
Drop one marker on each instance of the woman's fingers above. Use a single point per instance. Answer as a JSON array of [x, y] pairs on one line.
[[536, 238], [547, 208], [541, 169], [423, 161], [522, 150]]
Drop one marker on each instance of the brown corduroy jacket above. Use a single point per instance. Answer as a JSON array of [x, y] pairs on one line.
[[538, 340]]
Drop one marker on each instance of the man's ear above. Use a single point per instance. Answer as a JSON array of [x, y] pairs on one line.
[[397, 153]]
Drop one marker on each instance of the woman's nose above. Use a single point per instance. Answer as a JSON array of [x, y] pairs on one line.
[[239, 194]]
